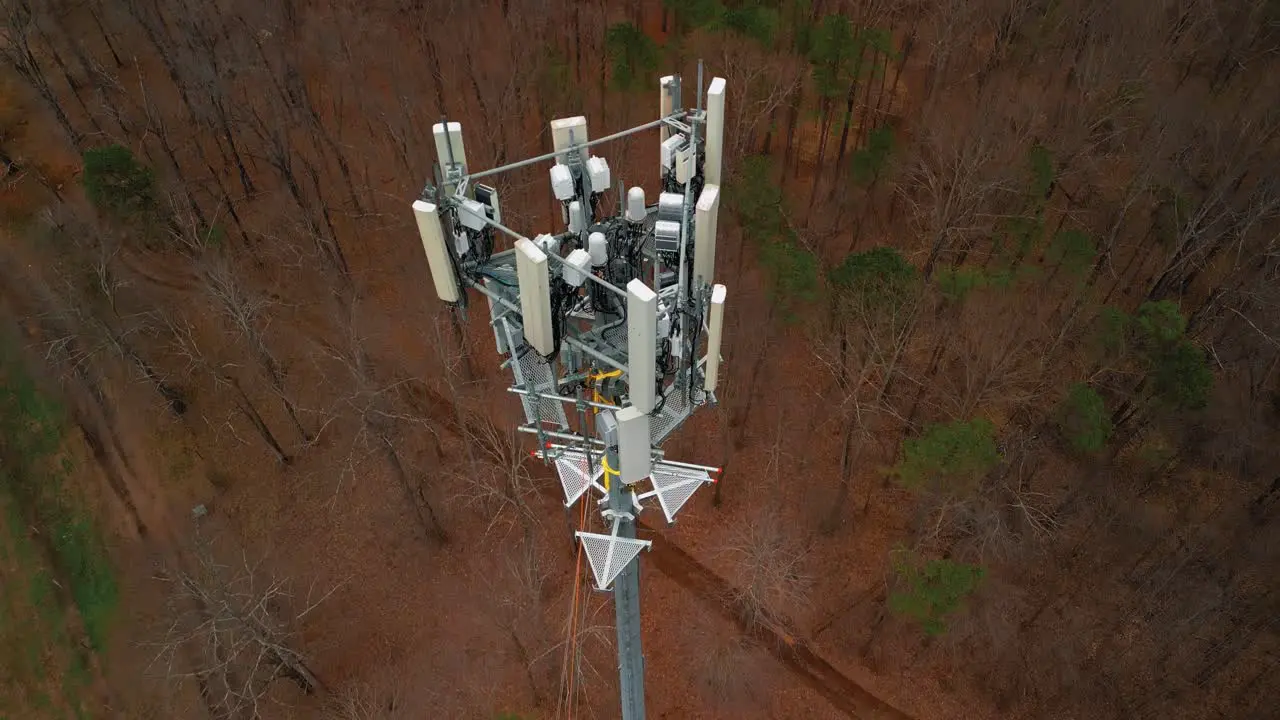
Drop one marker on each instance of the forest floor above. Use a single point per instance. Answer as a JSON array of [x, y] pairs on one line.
[[397, 597], [449, 630]]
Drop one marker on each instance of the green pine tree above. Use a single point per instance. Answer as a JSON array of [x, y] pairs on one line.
[[634, 56], [879, 278], [1159, 325], [833, 53], [1073, 250], [1179, 370], [1156, 336], [930, 592], [948, 458], [867, 164], [116, 183], [792, 269], [751, 19], [1182, 376], [1084, 420]]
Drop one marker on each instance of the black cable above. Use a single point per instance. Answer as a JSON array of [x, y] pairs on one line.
[[662, 400], [694, 335], [561, 292], [486, 244]]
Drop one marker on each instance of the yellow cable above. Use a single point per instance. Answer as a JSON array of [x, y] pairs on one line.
[[604, 461], [595, 394]]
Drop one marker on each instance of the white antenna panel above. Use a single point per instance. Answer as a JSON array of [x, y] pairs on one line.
[[642, 349], [665, 102], [684, 164], [715, 333], [454, 142], [715, 132], [561, 182], [598, 173], [576, 267], [535, 296], [442, 273], [705, 219], [473, 215], [671, 207], [567, 132], [668, 149], [547, 243], [634, 451]]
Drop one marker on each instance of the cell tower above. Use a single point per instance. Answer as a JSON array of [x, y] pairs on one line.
[[611, 328]]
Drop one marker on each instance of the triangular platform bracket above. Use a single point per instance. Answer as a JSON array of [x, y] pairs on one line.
[[674, 486], [609, 554], [577, 475]]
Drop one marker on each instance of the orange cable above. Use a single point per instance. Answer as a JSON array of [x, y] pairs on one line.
[[571, 650]]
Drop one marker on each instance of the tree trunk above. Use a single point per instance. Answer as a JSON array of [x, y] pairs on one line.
[[793, 116], [848, 458], [106, 36], [768, 133], [72, 83], [756, 368], [29, 69], [824, 129], [251, 413], [426, 513], [844, 136]]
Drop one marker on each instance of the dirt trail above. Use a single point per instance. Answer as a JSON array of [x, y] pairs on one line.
[[840, 690]]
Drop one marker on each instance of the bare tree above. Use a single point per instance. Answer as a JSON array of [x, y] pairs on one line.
[[497, 480], [876, 315], [80, 310], [246, 311], [766, 567], [185, 343], [729, 670], [519, 609], [949, 23], [949, 188], [19, 29], [231, 629], [380, 420], [992, 362], [382, 698], [763, 82]]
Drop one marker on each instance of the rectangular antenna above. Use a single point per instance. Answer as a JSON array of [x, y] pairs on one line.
[[704, 235], [452, 142], [535, 296], [567, 132], [642, 344], [442, 273], [666, 86], [715, 132], [715, 331], [634, 452]]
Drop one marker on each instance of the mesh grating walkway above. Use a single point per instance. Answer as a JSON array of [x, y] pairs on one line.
[[609, 555], [674, 486], [577, 474]]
